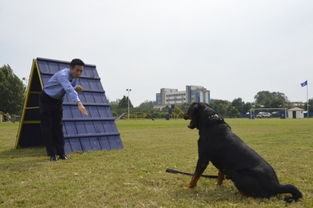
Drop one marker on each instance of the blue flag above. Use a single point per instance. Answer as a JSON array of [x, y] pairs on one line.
[[303, 84]]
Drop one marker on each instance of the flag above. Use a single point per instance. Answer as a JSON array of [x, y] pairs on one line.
[[303, 84]]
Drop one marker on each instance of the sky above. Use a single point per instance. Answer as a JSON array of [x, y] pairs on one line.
[[234, 48]]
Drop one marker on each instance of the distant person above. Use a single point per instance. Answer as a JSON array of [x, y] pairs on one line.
[[51, 112]]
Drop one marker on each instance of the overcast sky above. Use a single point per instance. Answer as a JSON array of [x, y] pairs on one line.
[[233, 48]]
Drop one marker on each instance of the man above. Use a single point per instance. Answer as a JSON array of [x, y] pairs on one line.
[[51, 112]]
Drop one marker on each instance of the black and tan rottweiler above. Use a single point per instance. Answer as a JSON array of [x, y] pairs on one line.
[[217, 144]]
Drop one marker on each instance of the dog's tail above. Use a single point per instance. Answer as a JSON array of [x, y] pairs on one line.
[[288, 188]]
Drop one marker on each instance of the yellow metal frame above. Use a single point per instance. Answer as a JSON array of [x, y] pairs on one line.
[[35, 66], [179, 113], [39, 74]]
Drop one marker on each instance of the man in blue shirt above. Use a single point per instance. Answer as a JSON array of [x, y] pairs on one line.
[[51, 112]]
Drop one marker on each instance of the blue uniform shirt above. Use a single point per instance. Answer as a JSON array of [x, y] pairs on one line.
[[60, 83]]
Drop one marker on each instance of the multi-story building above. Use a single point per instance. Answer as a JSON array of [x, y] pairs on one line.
[[168, 96], [197, 94]]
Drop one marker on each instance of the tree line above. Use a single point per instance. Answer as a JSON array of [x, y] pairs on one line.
[[11, 91], [236, 108], [12, 95]]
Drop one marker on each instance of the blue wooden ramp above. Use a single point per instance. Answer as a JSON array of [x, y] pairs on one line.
[[97, 131]]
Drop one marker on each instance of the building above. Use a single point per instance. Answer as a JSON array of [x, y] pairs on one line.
[[197, 94], [295, 113], [168, 96], [297, 104]]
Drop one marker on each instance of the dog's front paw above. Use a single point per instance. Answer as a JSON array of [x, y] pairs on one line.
[[218, 187], [218, 184], [191, 186]]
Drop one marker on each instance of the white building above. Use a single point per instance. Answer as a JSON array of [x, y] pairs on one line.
[[295, 113], [168, 96]]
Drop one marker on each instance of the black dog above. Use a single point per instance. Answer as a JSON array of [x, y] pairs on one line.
[[250, 173]]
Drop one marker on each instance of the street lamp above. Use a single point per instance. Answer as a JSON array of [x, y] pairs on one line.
[[25, 82], [128, 91]]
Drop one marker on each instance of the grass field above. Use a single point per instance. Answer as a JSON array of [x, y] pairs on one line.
[[135, 177]]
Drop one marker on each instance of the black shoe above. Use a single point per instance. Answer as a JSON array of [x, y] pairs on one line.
[[63, 157], [53, 158]]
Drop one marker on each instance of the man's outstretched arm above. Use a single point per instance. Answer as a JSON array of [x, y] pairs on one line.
[[69, 89]]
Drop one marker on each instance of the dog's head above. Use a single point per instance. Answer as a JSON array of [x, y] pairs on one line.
[[201, 114]]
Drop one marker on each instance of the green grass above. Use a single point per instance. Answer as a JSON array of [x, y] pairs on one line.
[[135, 177]]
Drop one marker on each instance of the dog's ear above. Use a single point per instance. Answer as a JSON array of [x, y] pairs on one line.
[[208, 105], [196, 107]]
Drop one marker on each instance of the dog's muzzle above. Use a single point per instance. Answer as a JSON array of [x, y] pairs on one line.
[[191, 124]]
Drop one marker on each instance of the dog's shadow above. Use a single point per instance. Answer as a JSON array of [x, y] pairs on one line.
[[209, 194], [212, 194]]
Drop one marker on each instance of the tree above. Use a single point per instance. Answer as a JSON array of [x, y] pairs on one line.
[[271, 99], [225, 108], [11, 91], [310, 105], [232, 112], [148, 105], [124, 103], [239, 104], [246, 108]]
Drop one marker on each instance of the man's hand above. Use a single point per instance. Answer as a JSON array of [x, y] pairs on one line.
[[79, 88], [82, 108]]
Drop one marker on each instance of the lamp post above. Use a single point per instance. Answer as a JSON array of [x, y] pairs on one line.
[[128, 91], [307, 99], [25, 82]]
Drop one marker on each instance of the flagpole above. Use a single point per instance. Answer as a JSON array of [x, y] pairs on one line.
[[307, 98]]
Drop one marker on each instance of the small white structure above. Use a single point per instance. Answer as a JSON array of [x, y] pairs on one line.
[[296, 113]]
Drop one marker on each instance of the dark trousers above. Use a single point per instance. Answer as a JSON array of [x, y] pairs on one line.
[[51, 114]]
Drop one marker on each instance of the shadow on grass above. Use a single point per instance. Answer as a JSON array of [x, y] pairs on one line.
[[222, 195], [23, 152], [21, 159], [210, 195]]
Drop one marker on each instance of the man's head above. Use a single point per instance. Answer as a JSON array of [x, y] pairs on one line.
[[76, 67]]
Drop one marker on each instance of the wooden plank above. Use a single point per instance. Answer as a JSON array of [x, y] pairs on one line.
[[32, 108], [31, 122], [35, 92]]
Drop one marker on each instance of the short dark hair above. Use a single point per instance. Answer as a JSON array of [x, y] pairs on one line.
[[76, 61]]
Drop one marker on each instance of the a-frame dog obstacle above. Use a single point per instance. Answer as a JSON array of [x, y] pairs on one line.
[[82, 133]]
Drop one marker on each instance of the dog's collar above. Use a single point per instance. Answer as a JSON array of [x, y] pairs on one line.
[[215, 116]]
